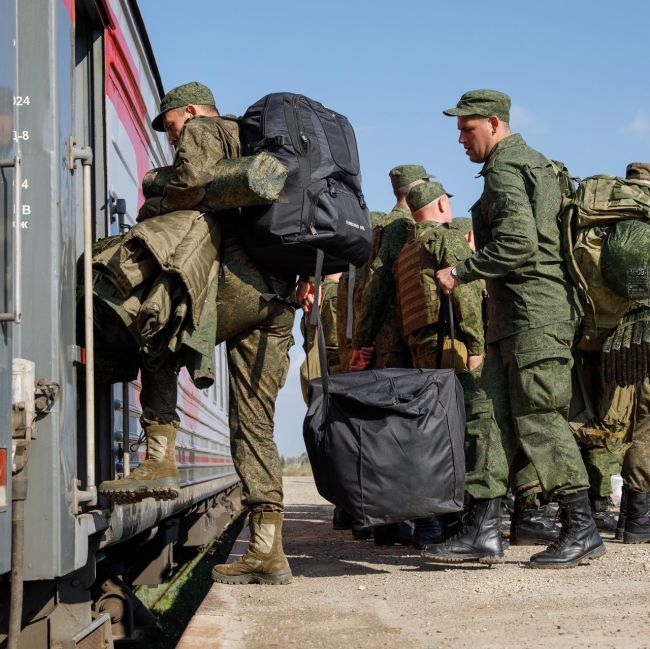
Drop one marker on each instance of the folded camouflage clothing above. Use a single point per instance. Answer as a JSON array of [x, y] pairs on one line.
[[155, 294], [238, 182]]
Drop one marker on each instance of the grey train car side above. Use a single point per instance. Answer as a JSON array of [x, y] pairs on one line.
[[82, 85]]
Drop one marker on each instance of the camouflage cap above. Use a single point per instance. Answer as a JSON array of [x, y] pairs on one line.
[[189, 93], [484, 103], [638, 171], [403, 175], [462, 223], [422, 195]]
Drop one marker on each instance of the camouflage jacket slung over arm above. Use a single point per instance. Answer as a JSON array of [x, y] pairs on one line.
[[518, 241], [203, 142]]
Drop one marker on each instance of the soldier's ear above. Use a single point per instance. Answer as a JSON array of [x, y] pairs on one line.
[[191, 109]]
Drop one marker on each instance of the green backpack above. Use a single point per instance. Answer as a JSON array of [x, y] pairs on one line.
[[605, 222]]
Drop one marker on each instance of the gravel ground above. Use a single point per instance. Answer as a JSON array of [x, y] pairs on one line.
[[354, 595]]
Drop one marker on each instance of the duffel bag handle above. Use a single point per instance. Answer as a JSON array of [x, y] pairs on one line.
[[446, 317]]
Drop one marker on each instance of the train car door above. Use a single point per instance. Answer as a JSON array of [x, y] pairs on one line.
[[8, 305]]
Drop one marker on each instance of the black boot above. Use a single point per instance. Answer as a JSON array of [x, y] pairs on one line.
[[637, 525], [622, 515], [533, 526], [361, 533], [426, 531], [451, 524], [579, 539], [392, 534], [478, 540], [604, 519]]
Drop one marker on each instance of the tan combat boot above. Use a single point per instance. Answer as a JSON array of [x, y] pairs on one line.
[[156, 477], [265, 561]]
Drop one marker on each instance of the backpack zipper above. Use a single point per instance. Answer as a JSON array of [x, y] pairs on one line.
[[313, 207], [304, 140]]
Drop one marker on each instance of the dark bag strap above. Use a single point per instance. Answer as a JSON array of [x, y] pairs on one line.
[[446, 317], [315, 319], [352, 277], [452, 327]]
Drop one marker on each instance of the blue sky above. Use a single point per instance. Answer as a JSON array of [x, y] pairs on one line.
[[577, 71]]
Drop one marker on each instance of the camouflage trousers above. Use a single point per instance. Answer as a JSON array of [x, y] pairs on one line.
[[255, 321], [391, 349], [526, 386], [158, 394], [636, 464], [603, 459]]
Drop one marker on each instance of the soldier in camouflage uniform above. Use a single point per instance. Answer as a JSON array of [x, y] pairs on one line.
[[376, 336], [328, 314], [532, 315], [255, 319], [634, 521], [603, 450], [206, 140], [378, 220], [310, 368], [436, 242]]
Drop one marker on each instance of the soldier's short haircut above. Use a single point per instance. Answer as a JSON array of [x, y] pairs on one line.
[[207, 108], [402, 192]]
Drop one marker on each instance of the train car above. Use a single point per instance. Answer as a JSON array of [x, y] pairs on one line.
[[78, 88]]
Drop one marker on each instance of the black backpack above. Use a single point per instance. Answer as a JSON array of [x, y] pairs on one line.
[[322, 206]]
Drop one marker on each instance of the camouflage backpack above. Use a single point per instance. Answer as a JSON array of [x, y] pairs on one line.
[[605, 223]]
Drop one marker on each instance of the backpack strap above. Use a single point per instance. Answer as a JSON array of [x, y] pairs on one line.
[[446, 317], [318, 275], [315, 319], [278, 140], [452, 327], [352, 276]]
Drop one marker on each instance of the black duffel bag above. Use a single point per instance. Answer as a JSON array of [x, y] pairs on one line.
[[387, 445]]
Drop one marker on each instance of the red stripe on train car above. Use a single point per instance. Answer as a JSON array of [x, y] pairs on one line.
[[197, 460], [123, 89], [69, 5]]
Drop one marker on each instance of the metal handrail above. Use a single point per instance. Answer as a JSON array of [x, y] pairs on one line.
[[16, 316]]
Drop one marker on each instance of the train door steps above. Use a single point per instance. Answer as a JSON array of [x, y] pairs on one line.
[[353, 594]]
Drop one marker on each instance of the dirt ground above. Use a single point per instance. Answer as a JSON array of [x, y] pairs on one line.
[[351, 594]]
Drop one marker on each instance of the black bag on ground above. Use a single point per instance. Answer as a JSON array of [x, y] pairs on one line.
[[322, 205], [387, 445]]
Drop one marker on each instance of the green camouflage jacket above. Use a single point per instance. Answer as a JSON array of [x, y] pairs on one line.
[[448, 247], [375, 317], [155, 293], [518, 242], [202, 143]]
